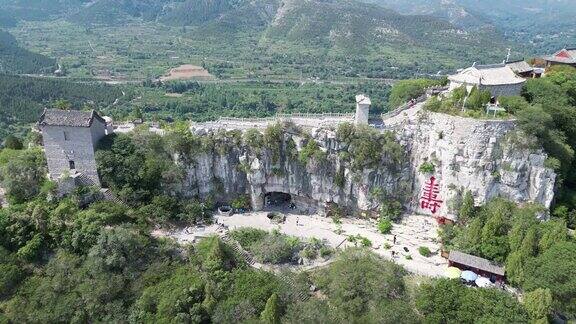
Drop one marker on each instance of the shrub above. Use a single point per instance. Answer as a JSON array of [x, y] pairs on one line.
[[424, 251], [254, 139], [365, 242], [427, 168], [385, 226], [433, 104], [248, 236], [311, 151], [241, 202], [275, 249], [12, 142], [391, 209], [552, 163], [309, 253], [325, 251]]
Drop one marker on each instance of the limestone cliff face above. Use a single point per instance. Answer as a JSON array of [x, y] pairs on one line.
[[312, 184], [486, 157], [489, 158]]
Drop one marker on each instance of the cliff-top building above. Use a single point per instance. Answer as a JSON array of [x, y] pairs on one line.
[[70, 138], [499, 79], [566, 56]]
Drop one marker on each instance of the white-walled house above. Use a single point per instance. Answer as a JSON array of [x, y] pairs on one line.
[[499, 79]]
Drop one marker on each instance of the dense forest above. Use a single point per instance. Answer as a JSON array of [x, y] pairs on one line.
[[15, 59], [22, 99], [64, 261], [308, 40], [201, 102]]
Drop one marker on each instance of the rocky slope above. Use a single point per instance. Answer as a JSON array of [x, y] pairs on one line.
[[486, 157]]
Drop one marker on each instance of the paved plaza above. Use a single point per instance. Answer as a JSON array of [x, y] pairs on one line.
[[414, 231]]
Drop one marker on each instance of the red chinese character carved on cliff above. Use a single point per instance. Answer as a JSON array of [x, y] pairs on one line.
[[429, 198]]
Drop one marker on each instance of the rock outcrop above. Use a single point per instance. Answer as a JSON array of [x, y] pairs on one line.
[[323, 178], [490, 158], [486, 157]]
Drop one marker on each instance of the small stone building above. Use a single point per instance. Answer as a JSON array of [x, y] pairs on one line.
[[362, 110], [70, 138], [499, 79]]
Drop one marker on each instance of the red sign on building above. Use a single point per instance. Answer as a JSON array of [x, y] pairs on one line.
[[429, 199]]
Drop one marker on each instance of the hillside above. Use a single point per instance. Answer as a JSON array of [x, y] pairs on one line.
[[41, 9], [314, 38], [22, 99], [541, 25], [14, 59], [351, 25]]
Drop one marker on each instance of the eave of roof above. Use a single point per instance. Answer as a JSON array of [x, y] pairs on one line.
[[475, 262], [69, 118]]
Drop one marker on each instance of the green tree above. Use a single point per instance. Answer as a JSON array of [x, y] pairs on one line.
[[137, 113], [13, 143], [177, 298], [358, 278], [62, 104], [467, 209], [538, 303], [405, 90], [271, 313], [23, 175], [555, 269], [446, 301]]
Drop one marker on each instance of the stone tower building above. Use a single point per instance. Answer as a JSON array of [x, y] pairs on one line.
[[362, 109], [70, 138]]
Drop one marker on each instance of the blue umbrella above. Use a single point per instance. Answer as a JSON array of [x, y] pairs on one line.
[[468, 275]]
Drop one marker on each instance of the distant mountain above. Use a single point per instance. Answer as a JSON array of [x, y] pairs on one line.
[[6, 19], [545, 25], [222, 18], [14, 59], [322, 30], [449, 10], [349, 25], [40, 9], [117, 12]]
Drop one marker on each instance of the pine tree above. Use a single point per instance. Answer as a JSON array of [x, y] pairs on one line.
[[137, 113], [271, 313], [538, 303], [13, 142], [467, 209]]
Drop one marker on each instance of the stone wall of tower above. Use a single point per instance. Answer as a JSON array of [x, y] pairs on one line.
[[63, 144], [362, 113]]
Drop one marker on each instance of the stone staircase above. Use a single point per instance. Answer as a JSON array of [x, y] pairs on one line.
[[239, 250], [106, 194]]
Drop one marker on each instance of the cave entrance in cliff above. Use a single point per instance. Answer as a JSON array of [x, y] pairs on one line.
[[278, 200]]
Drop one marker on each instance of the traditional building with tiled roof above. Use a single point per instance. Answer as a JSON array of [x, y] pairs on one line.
[[480, 266], [566, 56], [522, 68], [499, 79], [69, 139], [72, 118]]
